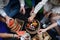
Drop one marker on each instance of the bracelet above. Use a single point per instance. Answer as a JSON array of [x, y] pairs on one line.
[[13, 37]]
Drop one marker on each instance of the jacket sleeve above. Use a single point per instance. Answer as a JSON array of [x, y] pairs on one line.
[[2, 13], [22, 3], [39, 6]]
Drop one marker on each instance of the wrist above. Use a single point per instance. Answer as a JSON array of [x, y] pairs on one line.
[[46, 29], [14, 35], [7, 18], [22, 7], [33, 15]]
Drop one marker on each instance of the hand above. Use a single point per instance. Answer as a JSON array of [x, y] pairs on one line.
[[20, 33], [30, 19], [8, 19], [15, 35], [22, 9], [41, 31]]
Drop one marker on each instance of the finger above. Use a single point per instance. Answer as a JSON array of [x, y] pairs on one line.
[[29, 19], [20, 10], [39, 32], [23, 11], [30, 12], [19, 36]]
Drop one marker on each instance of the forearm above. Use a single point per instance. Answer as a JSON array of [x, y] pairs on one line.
[[51, 26], [22, 2], [5, 35], [58, 17]]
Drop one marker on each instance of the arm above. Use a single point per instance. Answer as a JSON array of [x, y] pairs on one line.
[[22, 9], [37, 8], [51, 26], [3, 13], [6, 35]]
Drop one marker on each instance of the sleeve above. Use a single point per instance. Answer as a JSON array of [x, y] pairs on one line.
[[33, 3], [39, 6], [2, 13], [22, 2]]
